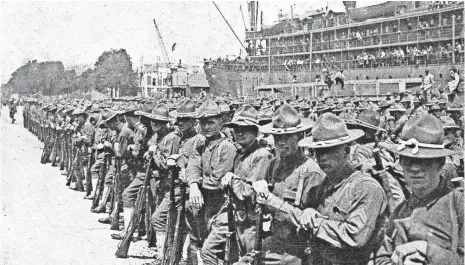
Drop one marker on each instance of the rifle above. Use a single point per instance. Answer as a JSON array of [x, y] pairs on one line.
[[88, 173], [230, 252], [116, 196], [169, 251], [258, 235], [44, 158], [62, 150], [77, 169], [384, 178], [179, 232], [101, 179], [123, 246]]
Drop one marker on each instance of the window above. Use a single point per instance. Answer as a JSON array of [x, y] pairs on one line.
[[149, 80]]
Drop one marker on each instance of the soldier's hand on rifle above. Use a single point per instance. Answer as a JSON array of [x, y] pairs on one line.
[[261, 188], [117, 148], [195, 196], [412, 252], [148, 155], [308, 218], [107, 144], [226, 180], [134, 148]]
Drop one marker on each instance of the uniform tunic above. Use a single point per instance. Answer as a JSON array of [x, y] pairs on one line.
[[250, 165], [356, 211], [436, 219]]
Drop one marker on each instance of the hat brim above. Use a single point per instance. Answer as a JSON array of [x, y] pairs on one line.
[[206, 116], [422, 152], [303, 126], [352, 136], [233, 124], [177, 115], [453, 110], [153, 116], [357, 122]]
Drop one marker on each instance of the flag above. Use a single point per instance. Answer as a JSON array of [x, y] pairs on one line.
[[173, 47]]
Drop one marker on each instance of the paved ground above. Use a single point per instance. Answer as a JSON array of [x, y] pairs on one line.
[[42, 221]]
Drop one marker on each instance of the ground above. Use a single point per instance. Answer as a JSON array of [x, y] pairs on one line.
[[42, 221]]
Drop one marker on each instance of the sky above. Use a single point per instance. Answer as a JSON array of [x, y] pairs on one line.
[[77, 33]]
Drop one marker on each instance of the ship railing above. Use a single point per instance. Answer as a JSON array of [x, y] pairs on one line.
[[386, 62], [412, 36], [343, 20]]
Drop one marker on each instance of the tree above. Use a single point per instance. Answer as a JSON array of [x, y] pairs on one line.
[[113, 69]]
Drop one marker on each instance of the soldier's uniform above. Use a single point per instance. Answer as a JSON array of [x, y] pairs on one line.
[[429, 225], [353, 209], [209, 162], [249, 165]]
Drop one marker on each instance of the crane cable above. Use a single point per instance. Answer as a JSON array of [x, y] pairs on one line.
[[229, 26]]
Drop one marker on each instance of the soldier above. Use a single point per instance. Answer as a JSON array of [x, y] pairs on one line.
[[435, 110], [12, 110], [397, 122], [452, 141], [287, 174], [343, 216], [211, 160], [428, 227], [249, 164], [362, 153], [163, 143], [189, 139], [118, 122]]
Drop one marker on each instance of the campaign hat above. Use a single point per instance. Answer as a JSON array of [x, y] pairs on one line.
[[286, 120]]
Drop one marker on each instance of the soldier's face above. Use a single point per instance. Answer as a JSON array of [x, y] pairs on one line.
[[331, 158], [245, 135], [210, 126], [422, 175], [158, 125], [287, 144], [185, 124]]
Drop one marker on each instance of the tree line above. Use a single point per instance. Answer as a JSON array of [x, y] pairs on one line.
[[113, 69]]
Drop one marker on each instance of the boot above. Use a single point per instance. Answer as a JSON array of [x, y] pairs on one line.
[[127, 215], [102, 206]]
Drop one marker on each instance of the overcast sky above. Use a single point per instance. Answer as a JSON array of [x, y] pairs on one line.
[[78, 32]]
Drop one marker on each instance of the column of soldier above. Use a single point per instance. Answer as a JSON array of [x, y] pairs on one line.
[[346, 181]]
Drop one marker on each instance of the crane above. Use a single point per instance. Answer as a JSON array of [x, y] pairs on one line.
[[162, 45]]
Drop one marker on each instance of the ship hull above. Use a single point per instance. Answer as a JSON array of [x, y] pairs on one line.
[[244, 83]]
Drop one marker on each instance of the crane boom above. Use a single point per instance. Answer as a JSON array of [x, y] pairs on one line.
[[162, 45]]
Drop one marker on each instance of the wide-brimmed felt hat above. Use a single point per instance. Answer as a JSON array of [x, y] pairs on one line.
[[78, 111], [246, 115], [159, 113], [208, 109], [106, 115], [185, 109], [224, 108], [368, 119], [286, 120], [337, 109], [421, 137], [384, 104], [435, 107], [449, 123], [454, 108], [397, 107], [265, 116], [329, 131]]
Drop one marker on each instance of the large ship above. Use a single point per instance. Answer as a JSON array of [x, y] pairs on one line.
[[379, 49]]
